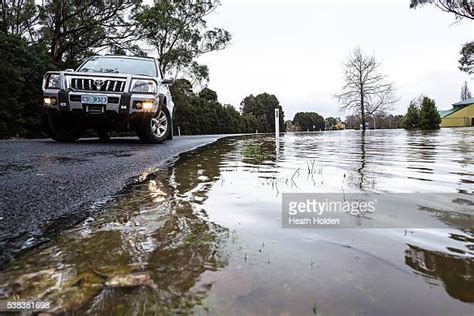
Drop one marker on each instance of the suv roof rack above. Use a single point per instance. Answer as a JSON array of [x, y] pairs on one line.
[[127, 56]]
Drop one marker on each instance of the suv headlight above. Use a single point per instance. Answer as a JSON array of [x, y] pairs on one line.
[[144, 86], [53, 82]]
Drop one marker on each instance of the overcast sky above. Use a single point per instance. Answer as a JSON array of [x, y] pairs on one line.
[[294, 49]]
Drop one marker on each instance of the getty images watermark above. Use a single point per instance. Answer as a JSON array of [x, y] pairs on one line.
[[370, 210]]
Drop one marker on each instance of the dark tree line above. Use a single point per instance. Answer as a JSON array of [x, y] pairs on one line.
[[379, 121], [309, 121], [262, 108], [312, 121], [22, 66], [201, 113]]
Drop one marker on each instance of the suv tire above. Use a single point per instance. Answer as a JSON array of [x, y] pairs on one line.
[[104, 134], [64, 128], [155, 129]]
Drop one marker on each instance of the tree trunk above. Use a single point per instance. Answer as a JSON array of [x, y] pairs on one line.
[[362, 110], [56, 52]]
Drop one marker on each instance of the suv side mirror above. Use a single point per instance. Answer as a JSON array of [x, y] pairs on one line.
[[167, 81], [69, 70]]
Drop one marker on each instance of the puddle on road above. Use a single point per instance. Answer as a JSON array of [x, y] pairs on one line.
[[205, 235]]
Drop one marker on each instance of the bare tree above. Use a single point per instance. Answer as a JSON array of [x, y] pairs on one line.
[[465, 92], [366, 91], [460, 8]]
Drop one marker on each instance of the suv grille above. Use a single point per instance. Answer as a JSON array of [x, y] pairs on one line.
[[95, 109], [98, 85]]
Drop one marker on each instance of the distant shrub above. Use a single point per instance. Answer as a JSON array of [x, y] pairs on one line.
[[423, 116]]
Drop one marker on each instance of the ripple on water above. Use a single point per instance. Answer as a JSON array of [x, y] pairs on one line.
[[205, 235]]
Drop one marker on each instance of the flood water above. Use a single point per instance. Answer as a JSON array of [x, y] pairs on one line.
[[205, 235]]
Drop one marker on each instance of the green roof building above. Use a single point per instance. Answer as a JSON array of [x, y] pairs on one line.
[[460, 115]]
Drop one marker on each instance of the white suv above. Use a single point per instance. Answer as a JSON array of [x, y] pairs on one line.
[[108, 93]]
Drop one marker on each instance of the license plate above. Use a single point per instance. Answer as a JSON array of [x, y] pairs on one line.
[[94, 99]]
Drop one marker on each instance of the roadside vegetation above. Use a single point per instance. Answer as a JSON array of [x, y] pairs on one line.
[[54, 35], [202, 113]]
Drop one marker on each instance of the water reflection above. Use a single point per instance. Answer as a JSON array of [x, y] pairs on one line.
[[205, 234], [360, 170], [423, 145], [153, 242], [454, 271]]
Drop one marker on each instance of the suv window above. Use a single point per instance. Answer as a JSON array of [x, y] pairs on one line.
[[120, 65]]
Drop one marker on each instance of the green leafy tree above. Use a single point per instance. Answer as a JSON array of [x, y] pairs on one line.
[[309, 121], [179, 32], [181, 91], [182, 87], [75, 28], [429, 116], [466, 62], [412, 118], [56, 34], [462, 9], [262, 107], [331, 121], [249, 123], [202, 114], [19, 17], [208, 94], [22, 66]]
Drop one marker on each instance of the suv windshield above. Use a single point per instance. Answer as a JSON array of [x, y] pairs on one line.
[[120, 65]]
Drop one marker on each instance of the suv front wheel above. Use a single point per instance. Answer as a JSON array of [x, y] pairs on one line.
[[155, 129], [63, 127]]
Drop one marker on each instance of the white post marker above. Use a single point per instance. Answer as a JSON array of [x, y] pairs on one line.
[[277, 123], [179, 131]]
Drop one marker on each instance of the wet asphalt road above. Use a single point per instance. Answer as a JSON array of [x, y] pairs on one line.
[[47, 186]]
